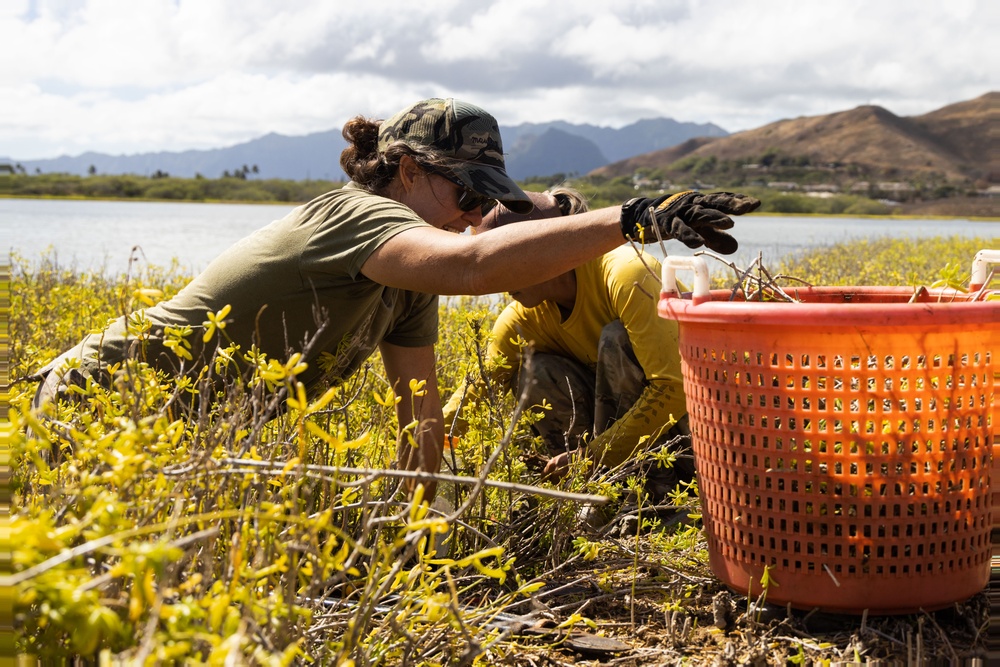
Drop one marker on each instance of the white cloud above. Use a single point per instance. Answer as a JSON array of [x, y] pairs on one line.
[[127, 76]]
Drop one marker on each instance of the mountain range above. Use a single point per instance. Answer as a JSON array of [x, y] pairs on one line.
[[532, 149], [957, 143]]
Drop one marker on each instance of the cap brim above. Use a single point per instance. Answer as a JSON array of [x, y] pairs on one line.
[[493, 182]]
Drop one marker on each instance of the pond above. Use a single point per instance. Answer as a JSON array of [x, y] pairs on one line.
[[101, 235]]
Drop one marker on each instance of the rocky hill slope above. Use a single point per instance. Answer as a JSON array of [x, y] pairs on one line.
[[957, 143]]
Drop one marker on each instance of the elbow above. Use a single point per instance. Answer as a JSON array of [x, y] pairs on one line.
[[475, 279], [479, 287]]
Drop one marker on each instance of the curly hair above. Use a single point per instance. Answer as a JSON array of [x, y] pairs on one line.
[[374, 171]]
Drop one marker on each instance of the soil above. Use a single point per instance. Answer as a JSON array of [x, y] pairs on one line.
[[656, 602], [715, 626]]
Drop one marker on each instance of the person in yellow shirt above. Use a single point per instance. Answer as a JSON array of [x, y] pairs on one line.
[[593, 347]]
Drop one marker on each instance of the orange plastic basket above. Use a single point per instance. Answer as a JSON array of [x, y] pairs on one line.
[[981, 279], [843, 442]]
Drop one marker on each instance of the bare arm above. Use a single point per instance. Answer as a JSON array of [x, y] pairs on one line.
[[403, 364], [508, 258]]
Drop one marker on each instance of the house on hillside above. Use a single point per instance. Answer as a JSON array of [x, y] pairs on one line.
[[822, 190], [641, 181], [892, 190], [895, 188]]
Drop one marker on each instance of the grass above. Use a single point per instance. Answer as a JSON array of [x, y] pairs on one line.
[[271, 531]]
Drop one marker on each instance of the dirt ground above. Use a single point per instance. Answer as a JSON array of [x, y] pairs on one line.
[[654, 602], [714, 626]]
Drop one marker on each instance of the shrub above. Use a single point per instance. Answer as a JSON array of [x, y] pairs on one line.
[[863, 206], [258, 525]]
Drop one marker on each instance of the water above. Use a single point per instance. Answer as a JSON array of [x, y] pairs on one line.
[[100, 235], [778, 237]]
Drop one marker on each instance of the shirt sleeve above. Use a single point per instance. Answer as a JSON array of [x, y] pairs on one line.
[[418, 325], [633, 288], [633, 291], [658, 408], [347, 226]]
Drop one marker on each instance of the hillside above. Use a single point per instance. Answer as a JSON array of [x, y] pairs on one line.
[[637, 138], [552, 152], [656, 159], [300, 158], [969, 129], [955, 144]]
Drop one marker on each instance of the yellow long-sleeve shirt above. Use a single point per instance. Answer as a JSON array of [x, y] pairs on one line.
[[614, 286]]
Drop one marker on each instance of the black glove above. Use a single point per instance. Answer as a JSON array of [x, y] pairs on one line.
[[693, 218]]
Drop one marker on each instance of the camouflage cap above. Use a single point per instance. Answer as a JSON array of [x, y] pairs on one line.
[[464, 132], [546, 206]]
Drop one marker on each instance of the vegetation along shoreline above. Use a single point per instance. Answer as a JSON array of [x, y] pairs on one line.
[[167, 189]]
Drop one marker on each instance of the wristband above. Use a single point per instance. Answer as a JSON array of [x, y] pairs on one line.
[[631, 212]]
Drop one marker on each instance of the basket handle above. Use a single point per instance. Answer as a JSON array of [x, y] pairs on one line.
[[668, 272], [979, 265]]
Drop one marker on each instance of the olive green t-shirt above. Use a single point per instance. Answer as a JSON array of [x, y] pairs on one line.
[[294, 285]]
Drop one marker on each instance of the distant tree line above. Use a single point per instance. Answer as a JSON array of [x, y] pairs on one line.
[[236, 187], [241, 172], [772, 166], [602, 192], [233, 186], [15, 169]]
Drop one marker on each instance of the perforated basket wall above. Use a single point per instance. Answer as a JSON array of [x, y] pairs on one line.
[[995, 474], [844, 443]]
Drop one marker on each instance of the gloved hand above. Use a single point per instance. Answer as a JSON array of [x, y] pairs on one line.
[[691, 217]]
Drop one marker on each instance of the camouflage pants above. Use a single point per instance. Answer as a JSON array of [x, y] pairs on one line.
[[587, 401], [583, 400]]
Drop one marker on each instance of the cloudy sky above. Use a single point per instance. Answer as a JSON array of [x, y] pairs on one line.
[[132, 76]]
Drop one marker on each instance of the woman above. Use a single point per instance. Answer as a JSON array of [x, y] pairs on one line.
[[360, 268]]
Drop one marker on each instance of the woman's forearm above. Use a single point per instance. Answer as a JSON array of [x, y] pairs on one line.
[[509, 258]]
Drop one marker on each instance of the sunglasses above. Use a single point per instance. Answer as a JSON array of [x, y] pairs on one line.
[[467, 199]]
